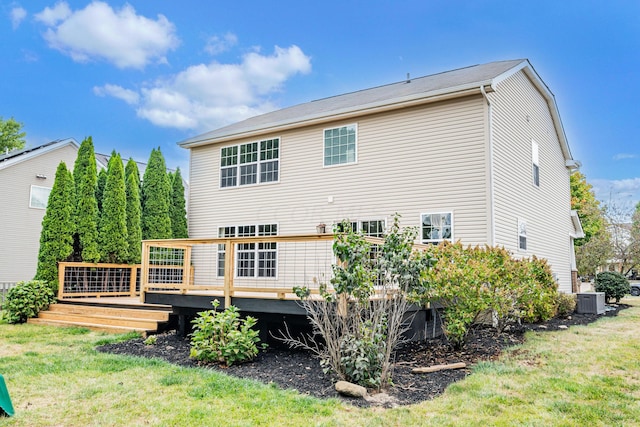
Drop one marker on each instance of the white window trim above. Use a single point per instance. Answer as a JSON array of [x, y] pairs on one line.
[[255, 250], [258, 162], [520, 223], [535, 163], [359, 222], [355, 161], [31, 197], [437, 212]]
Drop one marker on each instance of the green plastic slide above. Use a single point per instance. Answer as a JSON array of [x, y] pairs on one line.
[[6, 408]]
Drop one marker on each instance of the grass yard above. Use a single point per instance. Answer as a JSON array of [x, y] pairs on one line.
[[587, 375]]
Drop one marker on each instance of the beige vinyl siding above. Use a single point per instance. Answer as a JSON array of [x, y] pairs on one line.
[[519, 115], [425, 159], [20, 225]]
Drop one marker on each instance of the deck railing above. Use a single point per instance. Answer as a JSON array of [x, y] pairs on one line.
[[82, 279], [251, 266]]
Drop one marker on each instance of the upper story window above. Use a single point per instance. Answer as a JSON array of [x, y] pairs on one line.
[[522, 235], [251, 163], [39, 197], [373, 228], [340, 145], [535, 163], [436, 227]]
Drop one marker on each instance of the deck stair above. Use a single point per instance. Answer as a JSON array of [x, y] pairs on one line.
[[108, 318]]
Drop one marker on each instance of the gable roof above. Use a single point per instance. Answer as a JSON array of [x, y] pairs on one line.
[[18, 156], [464, 81]]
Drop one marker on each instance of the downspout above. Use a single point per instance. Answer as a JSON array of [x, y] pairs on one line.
[[492, 237]]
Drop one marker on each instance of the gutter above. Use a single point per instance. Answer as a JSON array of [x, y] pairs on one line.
[[492, 213]]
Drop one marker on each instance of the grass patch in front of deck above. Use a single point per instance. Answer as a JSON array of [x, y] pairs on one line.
[[588, 375]]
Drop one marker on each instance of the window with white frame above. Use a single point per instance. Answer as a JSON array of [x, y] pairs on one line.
[[39, 197], [535, 162], [251, 163], [340, 145], [374, 228], [252, 259], [522, 235], [436, 227]]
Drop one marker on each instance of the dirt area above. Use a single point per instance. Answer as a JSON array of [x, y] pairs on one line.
[[301, 371]]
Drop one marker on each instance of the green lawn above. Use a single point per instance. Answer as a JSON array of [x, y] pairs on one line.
[[584, 376]]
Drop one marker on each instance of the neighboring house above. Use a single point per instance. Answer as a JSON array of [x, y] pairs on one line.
[[26, 179], [477, 154]]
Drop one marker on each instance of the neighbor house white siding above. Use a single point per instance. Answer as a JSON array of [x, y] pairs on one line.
[[520, 115], [429, 158], [20, 225]]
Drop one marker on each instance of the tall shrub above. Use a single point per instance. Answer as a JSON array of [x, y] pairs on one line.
[[86, 205], [156, 191], [178, 210], [102, 181], [613, 284], [56, 237], [112, 230], [359, 322], [134, 232], [132, 168]]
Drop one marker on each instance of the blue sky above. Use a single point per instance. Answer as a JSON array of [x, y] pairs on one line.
[[145, 74]]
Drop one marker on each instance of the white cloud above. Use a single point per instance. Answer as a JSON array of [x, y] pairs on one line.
[[129, 96], [99, 32], [204, 97], [17, 16], [621, 189], [623, 156], [216, 45], [51, 16]]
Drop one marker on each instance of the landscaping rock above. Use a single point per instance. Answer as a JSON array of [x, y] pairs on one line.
[[348, 389]]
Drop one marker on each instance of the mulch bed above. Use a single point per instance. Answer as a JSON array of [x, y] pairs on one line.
[[299, 370]]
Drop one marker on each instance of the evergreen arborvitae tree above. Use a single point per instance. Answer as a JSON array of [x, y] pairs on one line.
[[56, 238], [178, 207], [133, 218], [102, 180], [112, 230], [156, 191], [132, 168], [86, 205]]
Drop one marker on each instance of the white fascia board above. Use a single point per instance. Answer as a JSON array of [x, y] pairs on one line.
[[577, 225], [37, 152]]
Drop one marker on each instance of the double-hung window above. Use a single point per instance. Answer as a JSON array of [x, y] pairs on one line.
[[535, 163], [252, 259], [522, 235], [251, 163], [436, 227], [340, 145]]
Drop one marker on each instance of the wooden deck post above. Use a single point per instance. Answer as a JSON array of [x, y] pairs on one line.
[[229, 262], [144, 273], [186, 270], [132, 281], [61, 266]]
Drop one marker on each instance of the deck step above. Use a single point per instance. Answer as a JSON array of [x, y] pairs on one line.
[[133, 313], [103, 318]]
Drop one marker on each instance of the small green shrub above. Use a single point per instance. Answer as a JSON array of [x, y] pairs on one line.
[[151, 340], [566, 304], [363, 356], [26, 300], [613, 284], [222, 337]]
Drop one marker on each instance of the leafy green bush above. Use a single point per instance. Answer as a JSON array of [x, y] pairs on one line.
[[363, 356], [613, 284], [221, 336], [26, 300], [538, 290], [566, 304]]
